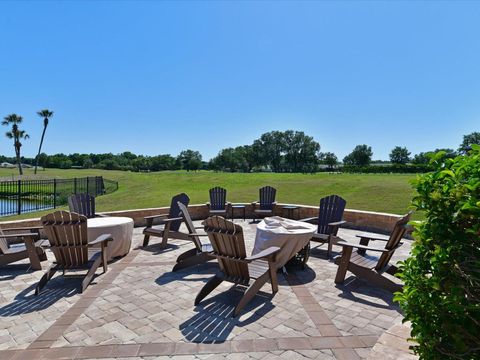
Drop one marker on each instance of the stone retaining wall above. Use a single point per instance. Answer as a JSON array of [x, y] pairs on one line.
[[356, 219]]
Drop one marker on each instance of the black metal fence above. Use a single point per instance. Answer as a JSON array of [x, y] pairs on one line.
[[21, 196]]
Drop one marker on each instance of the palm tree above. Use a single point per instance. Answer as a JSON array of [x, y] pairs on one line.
[[16, 134], [45, 114]]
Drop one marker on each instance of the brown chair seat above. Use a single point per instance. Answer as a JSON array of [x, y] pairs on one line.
[[169, 224], [370, 268], [235, 266]]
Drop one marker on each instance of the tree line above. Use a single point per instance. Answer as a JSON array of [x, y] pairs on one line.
[[276, 151]]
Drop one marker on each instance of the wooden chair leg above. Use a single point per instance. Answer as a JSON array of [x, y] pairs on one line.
[[251, 292], [363, 241], [91, 272], [43, 281], [273, 277], [208, 288], [343, 265], [32, 253], [192, 261], [166, 233], [329, 249], [146, 239], [104, 257]]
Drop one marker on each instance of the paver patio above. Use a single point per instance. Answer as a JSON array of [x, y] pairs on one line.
[[140, 310]]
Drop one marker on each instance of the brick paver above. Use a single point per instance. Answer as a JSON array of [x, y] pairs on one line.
[[140, 309]]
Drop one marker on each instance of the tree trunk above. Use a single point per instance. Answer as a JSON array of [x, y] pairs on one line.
[[39, 149], [19, 161]]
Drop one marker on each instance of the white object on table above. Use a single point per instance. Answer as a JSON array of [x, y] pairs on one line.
[[290, 235], [121, 229]]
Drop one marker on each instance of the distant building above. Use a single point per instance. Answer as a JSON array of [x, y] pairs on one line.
[[7, 165]]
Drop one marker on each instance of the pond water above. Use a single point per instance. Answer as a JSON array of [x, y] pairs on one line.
[[10, 206]]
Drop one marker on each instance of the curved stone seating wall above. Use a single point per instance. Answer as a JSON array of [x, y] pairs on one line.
[[356, 219]]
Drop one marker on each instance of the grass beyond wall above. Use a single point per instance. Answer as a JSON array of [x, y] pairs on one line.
[[390, 193]]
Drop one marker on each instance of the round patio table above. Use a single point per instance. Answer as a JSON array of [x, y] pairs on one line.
[[121, 229], [290, 235]]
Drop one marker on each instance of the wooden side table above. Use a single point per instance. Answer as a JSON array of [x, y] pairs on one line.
[[238, 206], [289, 209]]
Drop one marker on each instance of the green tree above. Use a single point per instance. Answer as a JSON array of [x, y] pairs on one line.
[[441, 293], [45, 114], [43, 160], [329, 159], [301, 152], [421, 158], [16, 134], [190, 160], [360, 156], [271, 149], [468, 141], [400, 155]]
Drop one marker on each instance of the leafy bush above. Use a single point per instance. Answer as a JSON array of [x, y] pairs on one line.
[[386, 169], [441, 296]]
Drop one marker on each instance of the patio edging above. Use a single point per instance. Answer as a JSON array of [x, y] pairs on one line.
[[358, 219]]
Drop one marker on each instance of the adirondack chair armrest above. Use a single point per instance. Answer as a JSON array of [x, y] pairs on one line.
[[23, 235], [310, 220], [102, 238], [171, 219], [337, 223], [366, 237], [272, 250], [29, 228], [101, 215], [363, 247], [193, 235], [155, 216]]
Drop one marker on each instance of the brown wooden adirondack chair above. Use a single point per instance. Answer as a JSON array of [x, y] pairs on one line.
[[83, 204], [67, 234], [31, 247], [370, 268], [330, 214], [266, 203], [218, 204], [235, 266], [169, 224], [198, 255]]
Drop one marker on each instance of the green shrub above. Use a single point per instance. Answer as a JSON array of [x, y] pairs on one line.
[[441, 296]]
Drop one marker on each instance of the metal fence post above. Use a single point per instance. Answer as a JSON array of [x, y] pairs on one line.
[[54, 193], [87, 184], [75, 185], [19, 197]]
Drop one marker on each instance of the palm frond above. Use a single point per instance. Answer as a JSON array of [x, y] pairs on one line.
[[45, 113]]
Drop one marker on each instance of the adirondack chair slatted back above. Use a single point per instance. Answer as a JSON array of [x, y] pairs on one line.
[[218, 198], [3, 243], [67, 234], [330, 210], [190, 227], [228, 242], [395, 237], [267, 197], [175, 210], [83, 204]]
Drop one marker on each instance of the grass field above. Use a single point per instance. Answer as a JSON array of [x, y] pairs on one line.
[[376, 192]]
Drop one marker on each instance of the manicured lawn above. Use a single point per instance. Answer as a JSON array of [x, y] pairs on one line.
[[376, 192]]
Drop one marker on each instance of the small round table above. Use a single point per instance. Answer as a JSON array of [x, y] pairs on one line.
[[238, 206], [290, 209], [121, 229], [290, 236]]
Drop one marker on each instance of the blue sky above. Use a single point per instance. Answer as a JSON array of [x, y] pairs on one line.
[[159, 77]]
